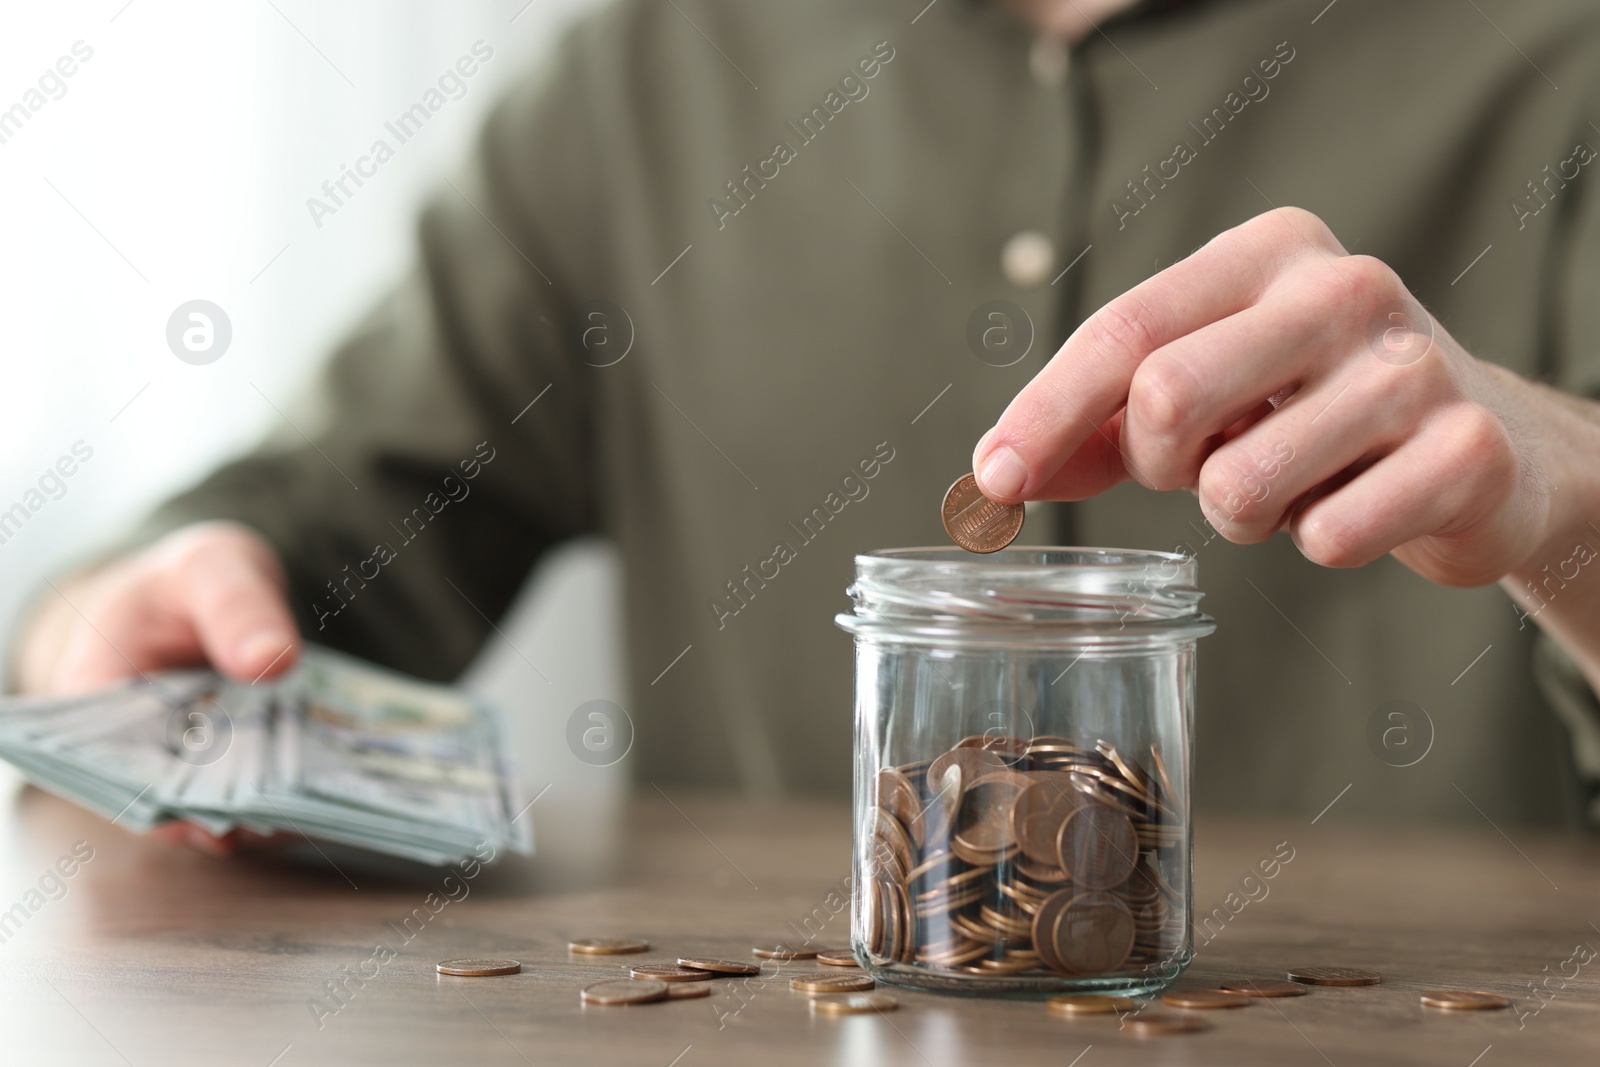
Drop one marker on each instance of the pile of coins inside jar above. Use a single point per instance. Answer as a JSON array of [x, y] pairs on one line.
[[1016, 856]]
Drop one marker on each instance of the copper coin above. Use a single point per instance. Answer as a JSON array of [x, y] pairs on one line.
[[983, 825], [688, 990], [781, 951], [872, 919], [1203, 999], [1334, 976], [1266, 987], [1044, 921], [974, 764], [1464, 1000], [625, 991], [940, 812], [906, 922], [900, 798], [1004, 967], [477, 968], [977, 523], [716, 966], [889, 912], [892, 847], [934, 867], [838, 958], [1161, 769], [823, 982], [1047, 875], [1088, 1004], [1037, 816], [854, 1004], [607, 946], [1136, 777], [1097, 846], [666, 972], [1093, 934], [1013, 750], [1162, 1023]]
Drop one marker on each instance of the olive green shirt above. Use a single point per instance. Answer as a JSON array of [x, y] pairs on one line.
[[709, 287]]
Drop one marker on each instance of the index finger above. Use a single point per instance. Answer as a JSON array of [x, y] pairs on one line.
[[1087, 381]]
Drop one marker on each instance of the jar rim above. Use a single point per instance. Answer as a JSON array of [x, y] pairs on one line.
[[1103, 596], [1102, 560]]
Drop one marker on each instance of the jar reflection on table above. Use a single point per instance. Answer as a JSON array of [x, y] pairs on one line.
[[1023, 747]]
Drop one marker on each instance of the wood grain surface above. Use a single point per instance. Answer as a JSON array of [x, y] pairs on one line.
[[153, 953]]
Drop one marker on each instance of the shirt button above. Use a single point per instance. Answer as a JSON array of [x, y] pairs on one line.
[[1049, 60], [1027, 258]]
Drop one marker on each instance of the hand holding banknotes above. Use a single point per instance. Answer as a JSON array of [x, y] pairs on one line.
[[211, 593], [333, 750]]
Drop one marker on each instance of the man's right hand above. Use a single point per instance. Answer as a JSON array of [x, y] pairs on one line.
[[212, 593]]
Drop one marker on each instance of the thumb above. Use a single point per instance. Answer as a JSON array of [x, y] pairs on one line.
[[1096, 465], [231, 587]]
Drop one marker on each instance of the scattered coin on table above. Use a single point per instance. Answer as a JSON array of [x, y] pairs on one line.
[[1163, 1023], [823, 982], [1088, 1004], [688, 990], [1464, 1000], [854, 1004], [1204, 999], [666, 972], [837, 958], [716, 966], [1334, 976], [1266, 987], [783, 952], [625, 991], [977, 523], [477, 968], [607, 946]]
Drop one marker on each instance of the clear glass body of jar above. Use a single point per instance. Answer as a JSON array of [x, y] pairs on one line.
[[1023, 748]]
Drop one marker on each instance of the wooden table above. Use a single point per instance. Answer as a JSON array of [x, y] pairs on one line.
[[158, 954]]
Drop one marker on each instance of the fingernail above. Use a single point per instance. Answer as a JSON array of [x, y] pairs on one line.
[[1003, 474]]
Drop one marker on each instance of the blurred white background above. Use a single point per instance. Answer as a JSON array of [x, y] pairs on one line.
[[175, 164]]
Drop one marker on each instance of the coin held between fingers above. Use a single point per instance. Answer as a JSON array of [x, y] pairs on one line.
[[1004, 473], [977, 523]]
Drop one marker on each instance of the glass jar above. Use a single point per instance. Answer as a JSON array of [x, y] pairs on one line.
[[1023, 734]]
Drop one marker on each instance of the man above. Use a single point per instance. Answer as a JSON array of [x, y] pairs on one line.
[[739, 285]]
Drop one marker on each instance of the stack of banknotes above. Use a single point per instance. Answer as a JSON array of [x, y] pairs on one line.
[[336, 750]]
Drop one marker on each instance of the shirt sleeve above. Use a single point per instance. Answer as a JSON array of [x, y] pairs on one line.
[[448, 443], [1573, 359], [1574, 336]]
